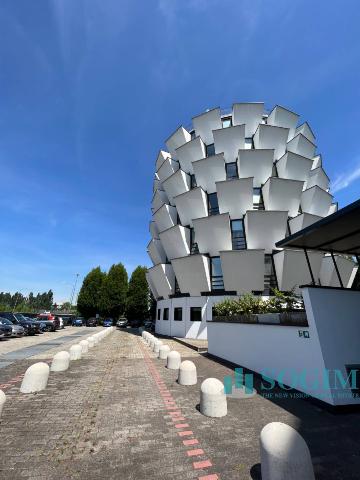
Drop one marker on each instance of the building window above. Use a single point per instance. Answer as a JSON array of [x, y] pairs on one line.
[[213, 206], [194, 248], [231, 170], [166, 314], [210, 149], [258, 202], [217, 279], [159, 314], [192, 181], [226, 122], [195, 314], [238, 235], [192, 134], [269, 276], [178, 314]]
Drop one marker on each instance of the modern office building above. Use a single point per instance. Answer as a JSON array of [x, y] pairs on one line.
[[226, 190]]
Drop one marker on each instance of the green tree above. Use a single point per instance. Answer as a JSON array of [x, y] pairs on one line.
[[138, 297], [114, 291], [88, 303]]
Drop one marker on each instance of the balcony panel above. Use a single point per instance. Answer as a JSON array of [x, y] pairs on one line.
[[156, 252], [264, 228], [235, 196], [280, 193], [213, 234], [294, 167], [267, 136], [302, 146], [167, 168], [176, 241], [163, 279], [157, 185], [229, 140], [249, 114], [176, 184], [318, 177], [208, 171], [243, 270], [316, 201], [347, 269], [165, 217], [151, 286], [302, 221], [333, 208], [190, 205], [154, 231], [177, 139], [162, 156], [159, 198], [292, 269], [257, 164], [190, 152], [205, 123], [305, 130], [281, 117], [317, 162], [192, 274]]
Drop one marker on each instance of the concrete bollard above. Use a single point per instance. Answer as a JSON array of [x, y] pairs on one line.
[[75, 352], [212, 398], [173, 360], [2, 401], [60, 362], [35, 378], [91, 342], [84, 345], [284, 454], [163, 352], [187, 373], [152, 343], [157, 346]]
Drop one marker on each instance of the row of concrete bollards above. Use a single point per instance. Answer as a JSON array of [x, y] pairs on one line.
[[37, 375], [283, 451]]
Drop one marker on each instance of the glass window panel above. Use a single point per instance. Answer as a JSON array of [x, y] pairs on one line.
[[166, 314], [231, 170], [210, 150], [195, 314], [178, 314]]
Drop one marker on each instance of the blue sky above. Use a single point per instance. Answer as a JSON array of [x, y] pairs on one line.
[[91, 88]]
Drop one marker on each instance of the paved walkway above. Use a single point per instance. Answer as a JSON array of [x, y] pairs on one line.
[[119, 414]]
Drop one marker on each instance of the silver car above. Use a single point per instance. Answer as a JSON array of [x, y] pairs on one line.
[[17, 330]]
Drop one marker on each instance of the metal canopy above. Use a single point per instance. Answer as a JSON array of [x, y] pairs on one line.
[[337, 233]]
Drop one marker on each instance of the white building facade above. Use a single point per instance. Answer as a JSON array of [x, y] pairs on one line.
[[225, 191]]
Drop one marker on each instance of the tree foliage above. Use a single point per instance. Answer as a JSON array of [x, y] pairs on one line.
[[88, 303], [32, 303], [114, 291], [138, 297]]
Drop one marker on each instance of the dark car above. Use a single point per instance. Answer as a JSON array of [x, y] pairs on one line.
[[122, 322], [16, 330], [5, 328], [30, 327], [49, 318], [108, 322], [91, 322], [45, 325], [149, 325], [78, 322], [136, 323]]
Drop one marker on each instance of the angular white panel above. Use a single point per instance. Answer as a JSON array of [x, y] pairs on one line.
[[257, 164], [156, 252], [193, 274], [213, 234], [157, 185], [235, 196], [317, 162], [281, 117], [243, 270], [292, 269], [302, 221], [163, 278], [267, 136], [190, 152], [190, 205], [318, 177], [229, 140], [165, 217], [347, 270], [168, 167], [302, 146], [282, 193], [316, 201], [178, 138], [205, 123], [162, 155], [294, 166], [249, 114], [208, 171], [152, 286], [154, 231], [176, 241], [159, 198], [305, 130], [333, 208], [264, 228], [177, 183]]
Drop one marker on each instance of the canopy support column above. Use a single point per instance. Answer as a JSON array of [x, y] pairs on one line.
[[337, 270], [309, 266]]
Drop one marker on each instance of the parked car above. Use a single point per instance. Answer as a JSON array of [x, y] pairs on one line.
[[78, 322], [135, 323], [50, 318], [29, 326], [61, 322], [91, 322], [149, 325], [122, 322], [5, 328], [108, 322], [16, 330], [45, 325]]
